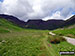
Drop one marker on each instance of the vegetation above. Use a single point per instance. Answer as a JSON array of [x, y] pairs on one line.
[[56, 39], [25, 43], [15, 41], [6, 26], [62, 46], [66, 32]]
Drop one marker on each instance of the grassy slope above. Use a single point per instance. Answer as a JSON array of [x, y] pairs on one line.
[[67, 31], [6, 26], [27, 42]]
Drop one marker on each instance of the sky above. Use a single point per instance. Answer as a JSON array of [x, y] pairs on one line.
[[1, 0], [38, 9]]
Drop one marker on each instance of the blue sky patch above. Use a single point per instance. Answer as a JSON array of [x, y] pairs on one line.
[[1, 0], [73, 13]]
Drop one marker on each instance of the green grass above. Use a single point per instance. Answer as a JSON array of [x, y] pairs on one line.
[[15, 41], [4, 30], [30, 43], [65, 32], [6, 26], [63, 46], [25, 43], [54, 49]]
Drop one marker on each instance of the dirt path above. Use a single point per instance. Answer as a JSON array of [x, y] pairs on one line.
[[69, 40], [52, 33]]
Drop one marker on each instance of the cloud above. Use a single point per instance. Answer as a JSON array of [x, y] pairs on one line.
[[0, 6], [55, 15], [38, 9]]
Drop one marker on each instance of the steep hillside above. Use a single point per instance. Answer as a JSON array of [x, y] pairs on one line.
[[6, 26], [69, 31], [14, 20], [68, 28], [70, 21]]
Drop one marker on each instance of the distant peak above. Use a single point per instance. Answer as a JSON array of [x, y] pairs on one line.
[[69, 17]]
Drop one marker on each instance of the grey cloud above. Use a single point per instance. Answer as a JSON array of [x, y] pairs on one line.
[[37, 9]]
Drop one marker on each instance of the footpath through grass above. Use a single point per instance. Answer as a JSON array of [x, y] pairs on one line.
[[54, 49]]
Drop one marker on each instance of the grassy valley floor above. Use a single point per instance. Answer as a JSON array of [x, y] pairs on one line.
[[23, 43], [30, 43]]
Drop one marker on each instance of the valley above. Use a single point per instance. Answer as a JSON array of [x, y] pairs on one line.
[[18, 41]]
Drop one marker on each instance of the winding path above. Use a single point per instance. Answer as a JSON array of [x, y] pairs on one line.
[[51, 33], [69, 40]]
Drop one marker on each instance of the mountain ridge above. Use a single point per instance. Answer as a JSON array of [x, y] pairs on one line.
[[70, 21], [39, 23]]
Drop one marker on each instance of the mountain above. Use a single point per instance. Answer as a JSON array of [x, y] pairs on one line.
[[40, 24], [70, 21], [44, 25], [50, 24], [35, 24], [7, 26], [14, 20]]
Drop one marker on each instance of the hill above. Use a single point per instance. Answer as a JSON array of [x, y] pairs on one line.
[[14, 20], [70, 21], [35, 24], [7, 26], [68, 28]]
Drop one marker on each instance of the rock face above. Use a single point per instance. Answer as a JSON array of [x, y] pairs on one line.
[[39, 24]]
